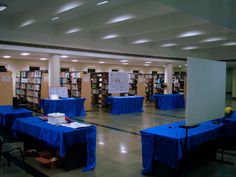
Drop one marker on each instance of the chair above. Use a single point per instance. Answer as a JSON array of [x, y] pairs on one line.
[[6, 149]]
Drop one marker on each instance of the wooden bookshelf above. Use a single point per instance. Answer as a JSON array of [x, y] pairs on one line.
[[65, 81], [6, 88], [141, 86], [133, 80], [149, 86], [159, 83]]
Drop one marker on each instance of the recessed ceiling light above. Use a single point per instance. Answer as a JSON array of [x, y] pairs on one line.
[[27, 23], [74, 60], [101, 62], [148, 62], [123, 61], [73, 30], [101, 3], [110, 36], [43, 59], [168, 45], [180, 66], [229, 43], [64, 56], [120, 18], [190, 48], [213, 39], [6, 56], [191, 33], [69, 6], [3, 7], [140, 41], [55, 18], [25, 54]]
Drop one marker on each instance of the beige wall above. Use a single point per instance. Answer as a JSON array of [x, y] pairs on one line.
[[16, 65]]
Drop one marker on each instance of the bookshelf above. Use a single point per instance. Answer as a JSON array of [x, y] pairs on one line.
[[159, 83], [76, 78], [65, 81], [21, 85], [6, 88], [133, 80], [149, 86]]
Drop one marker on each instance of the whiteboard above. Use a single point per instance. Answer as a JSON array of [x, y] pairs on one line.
[[206, 83], [118, 82], [62, 92]]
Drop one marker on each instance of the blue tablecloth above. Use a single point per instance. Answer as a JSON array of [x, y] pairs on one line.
[[125, 104], [169, 101], [8, 114], [70, 106], [166, 143], [59, 136], [230, 125]]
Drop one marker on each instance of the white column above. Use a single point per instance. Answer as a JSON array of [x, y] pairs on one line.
[[234, 83], [168, 78], [54, 70]]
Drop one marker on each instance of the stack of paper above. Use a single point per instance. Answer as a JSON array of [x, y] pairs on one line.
[[75, 125]]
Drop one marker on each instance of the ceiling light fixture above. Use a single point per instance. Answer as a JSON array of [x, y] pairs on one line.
[[180, 66], [123, 61], [120, 18], [74, 60], [229, 43], [168, 45], [6, 56], [55, 18], [213, 39], [43, 59], [69, 6], [101, 62], [64, 56], [110, 36], [73, 30], [148, 62], [191, 33], [141, 41], [164, 65], [3, 7], [190, 48], [101, 3], [27, 23], [25, 54]]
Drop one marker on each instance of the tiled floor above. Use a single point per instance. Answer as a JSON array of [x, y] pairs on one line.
[[119, 147]]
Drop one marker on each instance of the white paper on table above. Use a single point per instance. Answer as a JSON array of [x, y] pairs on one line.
[[75, 125]]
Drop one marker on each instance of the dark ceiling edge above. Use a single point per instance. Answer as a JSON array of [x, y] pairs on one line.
[[85, 50]]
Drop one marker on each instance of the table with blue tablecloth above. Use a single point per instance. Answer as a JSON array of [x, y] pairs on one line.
[[8, 114], [125, 104], [169, 101], [230, 125], [59, 137], [166, 143], [70, 106]]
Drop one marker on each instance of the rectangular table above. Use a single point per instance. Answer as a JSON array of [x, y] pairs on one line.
[[60, 137], [166, 143], [8, 114], [230, 125], [169, 101], [70, 106], [125, 104]]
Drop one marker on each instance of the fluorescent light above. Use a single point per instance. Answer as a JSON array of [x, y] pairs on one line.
[[123, 149], [55, 18], [213, 39], [168, 45], [110, 36], [101, 62], [190, 33], [6, 56], [74, 60], [229, 43], [180, 66], [123, 61], [64, 56], [120, 18], [189, 48], [73, 30], [146, 65], [69, 6], [25, 54], [101, 3], [140, 41], [43, 59], [148, 62], [27, 23], [2, 7]]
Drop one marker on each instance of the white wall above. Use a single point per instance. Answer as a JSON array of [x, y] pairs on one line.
[[16, 65]]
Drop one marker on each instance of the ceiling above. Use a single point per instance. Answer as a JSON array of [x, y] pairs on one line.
[[147, 34]]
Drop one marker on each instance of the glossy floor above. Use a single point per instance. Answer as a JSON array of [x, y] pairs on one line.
[[119, 147]]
